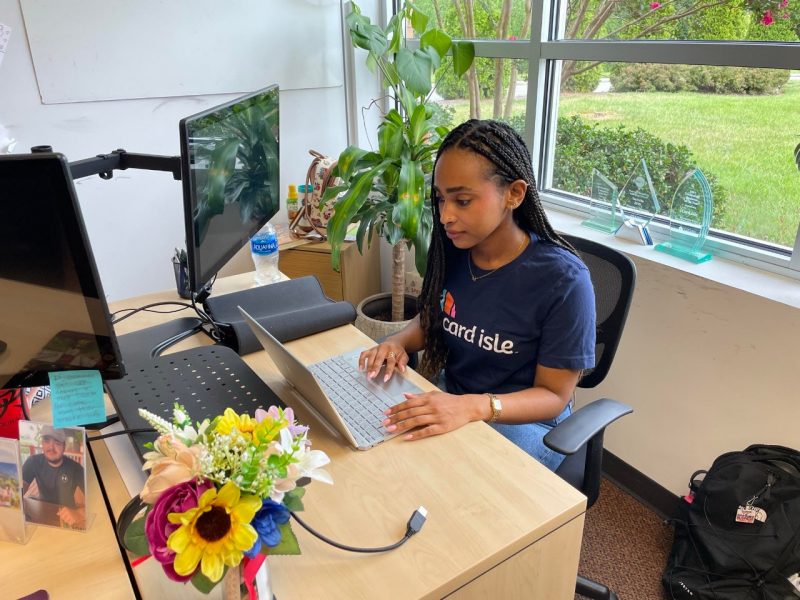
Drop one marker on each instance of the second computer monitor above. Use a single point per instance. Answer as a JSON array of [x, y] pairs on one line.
[[231, 179]]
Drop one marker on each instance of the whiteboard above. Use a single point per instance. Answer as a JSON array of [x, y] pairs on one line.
[[85, 50]]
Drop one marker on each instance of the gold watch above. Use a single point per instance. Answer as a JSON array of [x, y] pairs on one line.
[[496, 406]]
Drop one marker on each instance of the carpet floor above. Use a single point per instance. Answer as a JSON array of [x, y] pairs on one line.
[[625, 546]]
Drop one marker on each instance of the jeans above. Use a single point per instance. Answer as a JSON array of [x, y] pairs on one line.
[[527, 436]]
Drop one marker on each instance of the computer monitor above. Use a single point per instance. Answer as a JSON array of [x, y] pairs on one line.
[[53, 313], [231, 179]]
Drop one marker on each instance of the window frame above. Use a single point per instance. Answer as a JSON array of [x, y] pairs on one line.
[[545, 50]]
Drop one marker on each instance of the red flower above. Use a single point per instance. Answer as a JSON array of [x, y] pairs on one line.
[[655, 5], [767, 18]]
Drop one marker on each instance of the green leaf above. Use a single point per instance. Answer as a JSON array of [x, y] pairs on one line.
[[135, 539], [407, 100], [347, 206], [394, 30], [422, 242], [203, 583], [293, 500], [463, 55], [390, 72], [436, 39], [410, 198], [348, 160], [419, 20], [288, 543], [377, 40], [415, 70], [418, 124], [436, 60], [390, 139]]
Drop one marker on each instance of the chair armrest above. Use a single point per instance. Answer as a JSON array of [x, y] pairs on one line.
[[576, 430]]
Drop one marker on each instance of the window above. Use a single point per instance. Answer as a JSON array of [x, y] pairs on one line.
[[680, 83]]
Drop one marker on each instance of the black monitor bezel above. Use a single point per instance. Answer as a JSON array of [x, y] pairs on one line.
[[197, 279], [71, 218]]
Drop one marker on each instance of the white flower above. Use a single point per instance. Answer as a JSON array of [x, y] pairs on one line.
[[310, 464]]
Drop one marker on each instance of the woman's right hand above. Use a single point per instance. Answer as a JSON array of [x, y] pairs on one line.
[[389, 352]]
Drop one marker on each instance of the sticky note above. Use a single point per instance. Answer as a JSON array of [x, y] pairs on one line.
[[76, 398]]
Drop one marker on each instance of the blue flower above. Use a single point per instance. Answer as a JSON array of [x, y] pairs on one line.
[[269, 516]]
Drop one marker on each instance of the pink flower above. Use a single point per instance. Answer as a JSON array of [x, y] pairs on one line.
[[157, 528], [512, 37], [767, 18], [784, 3], [171, 463], [655, 5]]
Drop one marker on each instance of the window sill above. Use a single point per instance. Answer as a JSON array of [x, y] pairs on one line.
[[726, 272]]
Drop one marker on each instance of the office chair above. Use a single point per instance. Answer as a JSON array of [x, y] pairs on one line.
[[580, 436]]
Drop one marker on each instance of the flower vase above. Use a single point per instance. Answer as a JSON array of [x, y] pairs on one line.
[[232, 583]]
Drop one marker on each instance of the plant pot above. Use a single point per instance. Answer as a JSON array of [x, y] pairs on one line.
[[182, 280], [374, 313]]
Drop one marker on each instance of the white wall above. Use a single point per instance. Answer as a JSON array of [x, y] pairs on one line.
[[136, 219], [707, 368]]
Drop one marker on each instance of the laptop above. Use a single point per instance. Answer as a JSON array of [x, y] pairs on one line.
[[340, 395]]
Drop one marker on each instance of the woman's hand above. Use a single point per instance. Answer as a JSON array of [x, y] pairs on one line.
[[433, 413], [389, 352]]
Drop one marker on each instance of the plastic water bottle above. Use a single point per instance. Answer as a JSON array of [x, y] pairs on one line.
[[264, 249]]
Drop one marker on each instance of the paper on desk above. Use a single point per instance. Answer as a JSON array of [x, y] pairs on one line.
[[76, 398], [126, 459]]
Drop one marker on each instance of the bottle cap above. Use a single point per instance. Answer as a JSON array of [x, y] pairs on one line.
[[292, 190]]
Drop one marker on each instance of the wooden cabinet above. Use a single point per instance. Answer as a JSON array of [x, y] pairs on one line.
[[359, 275]]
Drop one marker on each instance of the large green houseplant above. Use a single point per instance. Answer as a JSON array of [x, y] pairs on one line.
[[387, 189]]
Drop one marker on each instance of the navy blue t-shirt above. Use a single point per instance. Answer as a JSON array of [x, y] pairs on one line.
[[537, 309]]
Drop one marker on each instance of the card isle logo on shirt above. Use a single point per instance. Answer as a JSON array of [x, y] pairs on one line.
[[448, 304], [485, 341]]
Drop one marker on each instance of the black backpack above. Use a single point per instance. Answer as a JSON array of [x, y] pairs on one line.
[[737, 535]]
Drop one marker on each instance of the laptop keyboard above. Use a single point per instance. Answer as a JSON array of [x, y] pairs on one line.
[[358, 402]]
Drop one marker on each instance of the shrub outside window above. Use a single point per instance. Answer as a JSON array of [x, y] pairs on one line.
[[679, 83]]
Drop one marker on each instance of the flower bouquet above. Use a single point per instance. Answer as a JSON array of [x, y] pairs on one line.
[[220, 492]]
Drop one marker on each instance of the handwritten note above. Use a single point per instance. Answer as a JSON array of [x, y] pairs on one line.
[[77, 398]]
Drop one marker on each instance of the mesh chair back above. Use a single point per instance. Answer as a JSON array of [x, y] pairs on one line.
[[613, 277]]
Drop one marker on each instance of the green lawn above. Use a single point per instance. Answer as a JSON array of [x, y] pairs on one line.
[[746, 141]]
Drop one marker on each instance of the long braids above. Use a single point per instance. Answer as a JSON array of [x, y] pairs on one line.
[[505, 149]]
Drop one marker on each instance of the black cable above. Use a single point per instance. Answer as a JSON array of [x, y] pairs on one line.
[[413, 526], [121, 432], [148, 307]]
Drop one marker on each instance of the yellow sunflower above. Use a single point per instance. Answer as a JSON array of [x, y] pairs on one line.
[[243, 423], [216, 533]]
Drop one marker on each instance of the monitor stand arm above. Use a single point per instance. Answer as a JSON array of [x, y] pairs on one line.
[[104, 164]]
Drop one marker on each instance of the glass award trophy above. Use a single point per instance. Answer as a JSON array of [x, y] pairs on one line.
[[638, 204], [603, 204], [690, 218]]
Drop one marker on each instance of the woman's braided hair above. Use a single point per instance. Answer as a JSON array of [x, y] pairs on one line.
[[505, 149]]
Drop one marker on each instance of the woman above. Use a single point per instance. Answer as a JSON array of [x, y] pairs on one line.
[[507, 307]]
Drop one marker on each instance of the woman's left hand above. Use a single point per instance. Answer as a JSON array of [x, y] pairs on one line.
[[432, 412]]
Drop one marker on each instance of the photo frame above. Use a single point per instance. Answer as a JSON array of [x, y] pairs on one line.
[[53, 461], [12, 518]]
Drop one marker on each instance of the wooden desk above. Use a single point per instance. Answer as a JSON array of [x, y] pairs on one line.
[[499, 524], [68, 564]]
